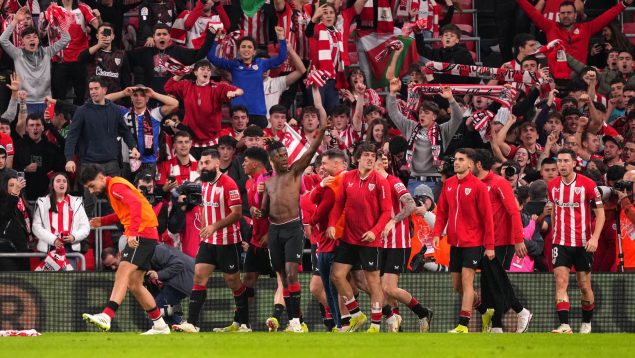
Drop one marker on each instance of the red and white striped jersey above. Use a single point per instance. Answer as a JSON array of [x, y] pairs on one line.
[[182, 173], [350, 136], [256, 27], [218, 198], [399, 237], [285, 20], [195, 36], [572, 210], [302, 21]]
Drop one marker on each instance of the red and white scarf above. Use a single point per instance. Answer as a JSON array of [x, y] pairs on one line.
[[555, 49], [330, 49], [434, 135], [27, 221], [486, 73], [420, 14], [500, 94], [377, 15], [62, 221]]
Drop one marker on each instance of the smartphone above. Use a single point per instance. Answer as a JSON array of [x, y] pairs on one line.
[[20, 175], [171, 178], [107, 32]]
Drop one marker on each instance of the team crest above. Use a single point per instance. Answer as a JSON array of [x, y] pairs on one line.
[[371, 187], [576, 32], [117, 61], [234, 195], [255, 67], [468, 191], [577, 190]]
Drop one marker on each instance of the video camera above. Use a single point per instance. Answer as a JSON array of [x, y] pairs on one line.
[[150, 197], [622, 185], [193, 193]]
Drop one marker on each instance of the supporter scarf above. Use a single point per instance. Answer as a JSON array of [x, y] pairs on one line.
[[227, 47], [555, 49], [148, 132], [434, 135], [377, 15], [499, 94], [175, 67], [27, 221], [57, 222], [317, 78], [330, 51], [371, 97], [426, 16], [392, 46], [486, 73]]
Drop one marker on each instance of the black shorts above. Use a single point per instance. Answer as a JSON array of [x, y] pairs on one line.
[[140, 256], [257, 260], [394, 261], [225, 258], [368, 257], [286, 243], [468, 257], [504, 254], [314, 261], [567, 256]]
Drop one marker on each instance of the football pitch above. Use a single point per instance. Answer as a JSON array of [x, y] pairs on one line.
[[236, 345]]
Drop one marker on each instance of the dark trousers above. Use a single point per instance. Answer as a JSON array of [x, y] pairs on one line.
[[169, 302], [325, 263], [65, 75]]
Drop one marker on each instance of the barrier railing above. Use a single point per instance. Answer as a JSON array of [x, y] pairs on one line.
[[80, 256]]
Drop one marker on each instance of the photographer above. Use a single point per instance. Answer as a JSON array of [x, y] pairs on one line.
[[184, 219], [145, 183], [604, 259], [511, 172], [626, 222]]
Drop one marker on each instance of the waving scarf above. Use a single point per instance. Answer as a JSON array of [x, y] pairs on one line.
[[486, 73]]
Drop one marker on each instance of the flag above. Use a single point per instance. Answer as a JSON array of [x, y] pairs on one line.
[[378, 50], [317, 78], [55, 261], [294, 143], [251, 7]]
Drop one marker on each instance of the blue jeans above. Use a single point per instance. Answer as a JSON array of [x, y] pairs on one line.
[[168, 301], [325, 263]]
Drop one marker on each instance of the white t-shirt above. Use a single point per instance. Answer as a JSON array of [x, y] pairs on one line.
[[273, 90]]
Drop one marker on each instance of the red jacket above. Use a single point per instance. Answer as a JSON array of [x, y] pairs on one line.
[[576, 42], [509, 226], [465, 207], [202, 107]]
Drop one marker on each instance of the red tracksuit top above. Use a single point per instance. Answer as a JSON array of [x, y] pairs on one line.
[[465, 207], [509, 227], [576, 41]]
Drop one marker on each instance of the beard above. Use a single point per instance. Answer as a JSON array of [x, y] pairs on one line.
[[208, 175]]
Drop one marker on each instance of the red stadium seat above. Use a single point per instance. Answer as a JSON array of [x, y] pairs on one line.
[[466, 4], [629, 29], [466, 19], [466, 29]]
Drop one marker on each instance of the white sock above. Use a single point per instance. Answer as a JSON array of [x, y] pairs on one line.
[[159, 323]]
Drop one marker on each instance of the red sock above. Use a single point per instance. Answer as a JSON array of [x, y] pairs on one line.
[[199, 288], [375, 316], [352, 305], [395, 310], [240, 291], [588, 307], [294, 287], [413, 302], [285, 292], [154, 314], [563, 306], [109, 311]]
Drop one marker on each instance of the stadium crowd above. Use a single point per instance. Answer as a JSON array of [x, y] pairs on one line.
[[149, 97]]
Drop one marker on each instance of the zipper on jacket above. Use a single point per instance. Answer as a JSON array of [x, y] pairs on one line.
[[456, 215]]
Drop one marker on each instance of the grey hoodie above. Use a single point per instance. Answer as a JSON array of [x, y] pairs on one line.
[[422, 156], [34, 68]]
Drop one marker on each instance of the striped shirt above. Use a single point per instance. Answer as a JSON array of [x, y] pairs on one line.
[[572, 210], [218, 199], [256, 27], [399, 237]]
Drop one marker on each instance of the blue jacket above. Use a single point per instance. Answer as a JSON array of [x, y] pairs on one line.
[[250, 79]]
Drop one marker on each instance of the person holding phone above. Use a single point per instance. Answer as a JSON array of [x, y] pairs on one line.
[[106, 61], [14, 222]]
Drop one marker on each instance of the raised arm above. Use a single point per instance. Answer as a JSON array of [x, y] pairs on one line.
[[404, 124], [297, 63], [536, 16], [502, 134]]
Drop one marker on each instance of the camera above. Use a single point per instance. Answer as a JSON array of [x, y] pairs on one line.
[[623, 185], [193, 193], [150, 197], [509, 172]]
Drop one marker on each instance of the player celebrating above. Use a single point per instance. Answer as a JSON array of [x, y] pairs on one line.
[[220, 244], [141, 235], [365, 198], [464, 207], [573, 241], [396, 251], [286, 235]]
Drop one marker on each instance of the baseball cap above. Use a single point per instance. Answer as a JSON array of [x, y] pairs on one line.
[[612, 139]]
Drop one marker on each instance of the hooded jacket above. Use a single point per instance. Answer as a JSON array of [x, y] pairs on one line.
[[93, 132]]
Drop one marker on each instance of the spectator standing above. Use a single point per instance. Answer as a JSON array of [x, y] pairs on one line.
[[112, 12], [94, 131], [15, 222], [33, 62], [59, 219], [190, 28], [37, 157], [152, 13], [67, 72]]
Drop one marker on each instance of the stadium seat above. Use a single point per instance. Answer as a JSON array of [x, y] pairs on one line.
[[466, 19], [629, 29], [466, 29]]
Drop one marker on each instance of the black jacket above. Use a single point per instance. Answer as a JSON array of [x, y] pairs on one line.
[[456, 54], [94, 131], [13, 234], [46, 155]]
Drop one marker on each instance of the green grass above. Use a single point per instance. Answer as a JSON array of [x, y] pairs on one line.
[[403, 345]]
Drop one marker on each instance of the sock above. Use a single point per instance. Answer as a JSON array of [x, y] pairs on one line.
[[395, 310], [322, 312], [464, 318], [345, 321], [587, 312], [251, 292], [197, 299], [294, 300], [497, 319], [417, 308], [375, 315], [386, 311], [287, 302], [477, 301], [562, 308], [353, 307], [154, 313], [111, 308], [278, 309], [242, 306], [516, 305]]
